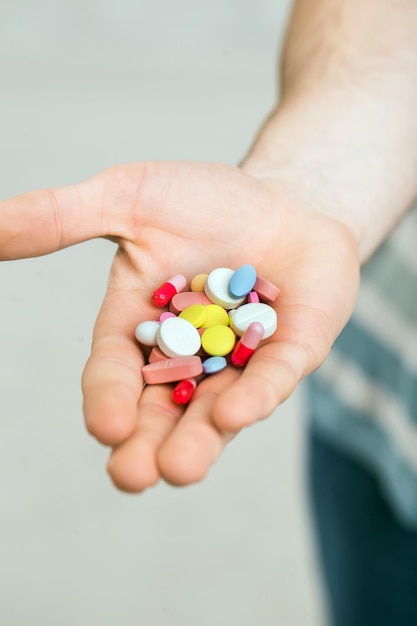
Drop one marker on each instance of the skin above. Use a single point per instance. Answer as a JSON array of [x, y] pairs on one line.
[[168, 216], [332, 170]]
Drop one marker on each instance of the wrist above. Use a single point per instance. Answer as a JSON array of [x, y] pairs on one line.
[[349, 155]]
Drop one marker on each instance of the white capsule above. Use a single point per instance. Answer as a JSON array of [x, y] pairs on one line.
[[217, 288], [177, 337], [254, 312], [145, 332]]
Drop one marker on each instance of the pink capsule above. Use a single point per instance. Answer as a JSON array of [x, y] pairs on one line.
[[164, 294], [247, 345], [165, 315], [184, 390], [171, 370], [253, 297]]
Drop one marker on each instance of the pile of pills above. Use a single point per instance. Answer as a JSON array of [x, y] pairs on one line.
[[224, 314]]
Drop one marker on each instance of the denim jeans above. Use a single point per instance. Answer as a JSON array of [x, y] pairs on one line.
[[368, 558]]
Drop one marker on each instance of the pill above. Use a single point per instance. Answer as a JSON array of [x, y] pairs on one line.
[[184, 391], [253, 297], [177, 337], [157, 355], [214, 364], [165, 315], [242, 281], [247, 345], [265, 289], [196, 314], [172, 370], [198, 282], [164, 294], [215, 315], [218, 340], [145, 332], [217, 288], [181, 300], [254, 312]]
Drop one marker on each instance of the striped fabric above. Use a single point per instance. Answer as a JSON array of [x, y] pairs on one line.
[[364, 397]]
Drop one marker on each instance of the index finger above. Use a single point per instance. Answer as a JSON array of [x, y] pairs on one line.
[[273, 372], [40, 222], [112, 381]]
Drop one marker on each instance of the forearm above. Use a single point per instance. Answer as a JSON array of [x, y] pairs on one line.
[[344, 133]]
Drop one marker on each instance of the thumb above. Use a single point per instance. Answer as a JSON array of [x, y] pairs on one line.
[[47, 220]]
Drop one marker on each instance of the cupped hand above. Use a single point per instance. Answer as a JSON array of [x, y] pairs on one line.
[[189, 218]]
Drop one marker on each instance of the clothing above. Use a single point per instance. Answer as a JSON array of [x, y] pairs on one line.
[[368, 558], [364, 397]]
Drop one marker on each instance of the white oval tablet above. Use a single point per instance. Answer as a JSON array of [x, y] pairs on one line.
[[145, 332], [217, 288], [254, 312], [176, 337]]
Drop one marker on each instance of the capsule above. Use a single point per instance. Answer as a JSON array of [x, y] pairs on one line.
[[247, 345], [253, 297], [184, 391], [165, 315], [164, 294]]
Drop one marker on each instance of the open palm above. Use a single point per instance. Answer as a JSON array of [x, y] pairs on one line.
[[190, 218]]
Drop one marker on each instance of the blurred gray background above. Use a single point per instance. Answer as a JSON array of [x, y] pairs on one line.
[[86, 84]]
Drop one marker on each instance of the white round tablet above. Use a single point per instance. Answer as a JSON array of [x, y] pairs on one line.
[[145, 332], [177, 337], [217, 288], [254, 312]]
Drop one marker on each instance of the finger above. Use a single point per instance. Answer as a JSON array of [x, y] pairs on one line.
[[273, 371], [43, 221], [112, 380], [194, 445], [268, 380], [133, 464]]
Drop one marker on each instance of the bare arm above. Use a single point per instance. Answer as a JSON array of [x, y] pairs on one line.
[[331, 171], [345, 130]]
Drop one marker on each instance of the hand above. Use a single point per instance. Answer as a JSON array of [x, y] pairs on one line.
[[189, 218]]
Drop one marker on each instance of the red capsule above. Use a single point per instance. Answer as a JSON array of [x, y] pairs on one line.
[[164, 294], [184, 390], [247, 345]]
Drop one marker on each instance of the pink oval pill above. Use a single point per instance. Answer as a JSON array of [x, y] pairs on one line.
[[265, 289], [187, 298], [171, 370], [157, 355]]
